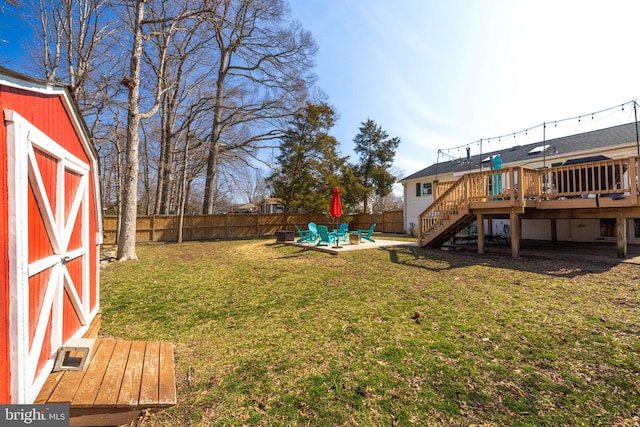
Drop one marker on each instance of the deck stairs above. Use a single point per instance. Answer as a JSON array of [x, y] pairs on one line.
[[446, 216]]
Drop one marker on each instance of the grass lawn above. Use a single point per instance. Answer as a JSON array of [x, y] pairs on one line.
[[268, 334]]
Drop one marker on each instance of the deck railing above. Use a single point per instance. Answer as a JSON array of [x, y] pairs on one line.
[[602, 178], [512, 186]]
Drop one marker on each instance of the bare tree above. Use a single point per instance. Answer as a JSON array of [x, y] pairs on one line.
[[249, 183], [183, 75], [73, 50], [261, 75], [14, 3], [127, 235]]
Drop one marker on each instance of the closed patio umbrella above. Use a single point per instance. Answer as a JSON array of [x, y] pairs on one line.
[[336, 210]]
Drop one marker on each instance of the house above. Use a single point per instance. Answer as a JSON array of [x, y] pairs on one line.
[[538, 186], [271, 205], [244, 209], [50, 231]]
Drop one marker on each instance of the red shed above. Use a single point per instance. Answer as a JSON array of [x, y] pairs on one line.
[[50, 231]]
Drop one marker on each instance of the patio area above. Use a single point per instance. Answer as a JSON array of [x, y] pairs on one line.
[[348, 247]]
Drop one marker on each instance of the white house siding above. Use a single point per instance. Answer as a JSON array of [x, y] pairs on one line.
[[536, 229], [414, 206], [578, 230]]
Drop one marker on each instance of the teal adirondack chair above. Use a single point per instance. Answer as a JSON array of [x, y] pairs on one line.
[[313, 228], [325, 236], [306, 236], [343, 231], [366, 234]]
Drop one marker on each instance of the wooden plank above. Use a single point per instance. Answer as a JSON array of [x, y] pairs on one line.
[[149, 384], [94, 375], [67, 387], [167, 389], [83, 417], [130, 389], [110, 388], [47, 389], [94, 327]]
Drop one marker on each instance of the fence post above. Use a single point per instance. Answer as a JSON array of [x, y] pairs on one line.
[[152, 222]]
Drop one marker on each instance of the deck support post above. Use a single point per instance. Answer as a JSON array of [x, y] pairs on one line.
[[480, 226], [554, 231], [633, 180], [515, 234], [621, 228]]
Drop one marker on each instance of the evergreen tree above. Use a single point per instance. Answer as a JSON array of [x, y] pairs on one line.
[[376, 152], [308, 166]]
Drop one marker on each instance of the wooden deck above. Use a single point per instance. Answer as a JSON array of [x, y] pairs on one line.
[[121, 379], [600, 189]]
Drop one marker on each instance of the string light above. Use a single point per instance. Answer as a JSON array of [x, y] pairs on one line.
[[525, 131]]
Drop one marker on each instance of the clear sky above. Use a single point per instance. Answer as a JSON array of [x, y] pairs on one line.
[[443, 73]]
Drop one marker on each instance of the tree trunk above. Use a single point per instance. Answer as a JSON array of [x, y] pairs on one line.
[[127, 237], [182, 197], [214, 148]]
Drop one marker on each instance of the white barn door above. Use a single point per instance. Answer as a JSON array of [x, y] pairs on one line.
[[49, 252]]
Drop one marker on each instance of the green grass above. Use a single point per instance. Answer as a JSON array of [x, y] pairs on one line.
[[268, 334]]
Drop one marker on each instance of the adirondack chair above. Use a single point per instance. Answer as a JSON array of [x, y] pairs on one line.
[[313, 228], [306, 236], [325, 236], [366, 234], [343, 231]]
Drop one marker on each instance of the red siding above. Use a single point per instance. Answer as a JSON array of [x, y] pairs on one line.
[[41, 245]]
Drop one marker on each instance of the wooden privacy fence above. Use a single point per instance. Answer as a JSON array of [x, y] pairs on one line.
[[164, 228]]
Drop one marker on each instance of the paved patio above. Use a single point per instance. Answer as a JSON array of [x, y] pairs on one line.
[[348, 247]]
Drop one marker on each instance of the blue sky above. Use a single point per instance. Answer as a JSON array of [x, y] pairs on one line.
[[444, 73]]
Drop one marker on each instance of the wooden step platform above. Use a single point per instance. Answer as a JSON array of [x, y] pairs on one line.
[[121, 379]]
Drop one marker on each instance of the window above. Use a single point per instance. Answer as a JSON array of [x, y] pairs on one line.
[[539, 149], [608, 227], [424, 189], [636, 228]]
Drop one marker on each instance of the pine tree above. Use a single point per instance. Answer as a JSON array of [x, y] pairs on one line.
[[308, 166], [376, 152]]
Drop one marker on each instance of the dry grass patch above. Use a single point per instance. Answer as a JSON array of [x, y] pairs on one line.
[[277, 335]]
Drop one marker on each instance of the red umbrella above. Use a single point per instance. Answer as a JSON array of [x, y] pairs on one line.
[[336, 210], [336, 205]]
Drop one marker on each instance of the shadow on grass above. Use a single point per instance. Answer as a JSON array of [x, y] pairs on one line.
[[558, 265]]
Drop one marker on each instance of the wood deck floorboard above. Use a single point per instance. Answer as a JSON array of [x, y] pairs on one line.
[[110, 387], [149, 384], [130, 387]]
